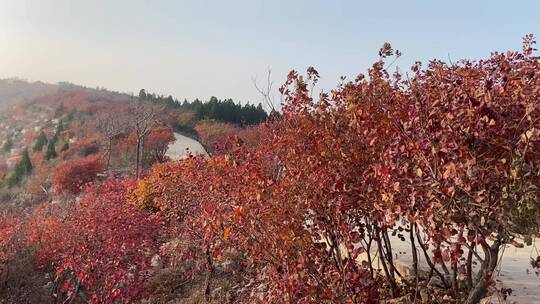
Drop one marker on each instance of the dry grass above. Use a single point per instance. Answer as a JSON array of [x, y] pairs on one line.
[[169, 287]]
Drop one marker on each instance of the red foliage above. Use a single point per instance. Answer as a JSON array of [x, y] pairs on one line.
[[102, 244], [157, 142], [73, 100], [72, 175], [29, 137], [39, 182], [217, 136], [11, 237], [181, 192], [212, 133], [447, 158], [81, 148]]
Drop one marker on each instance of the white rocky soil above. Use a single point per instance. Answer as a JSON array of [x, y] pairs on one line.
[[184, 145]]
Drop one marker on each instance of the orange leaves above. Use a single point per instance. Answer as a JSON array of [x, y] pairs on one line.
[[143, 196], [157, 141], [162, 189], [435, 152], [227, 233]]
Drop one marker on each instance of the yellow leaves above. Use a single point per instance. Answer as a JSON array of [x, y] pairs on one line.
[[530, 135], [226, 233], [514, 173], [289, 235], [216, 223], [142, 196], [489, 121], [419, 172]]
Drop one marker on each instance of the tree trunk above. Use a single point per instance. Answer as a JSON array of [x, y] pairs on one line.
[[370, 260], [6, 279], [137, 158], [109, 151], [209, 272], [469, 266], [383, 261], [414, 253], [141, 158], [428, 260], [484, 275]]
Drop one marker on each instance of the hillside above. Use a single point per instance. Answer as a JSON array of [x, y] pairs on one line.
[[16, 91], [392, 188], [59, 123]]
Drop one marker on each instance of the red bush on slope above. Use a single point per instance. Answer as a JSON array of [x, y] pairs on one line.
[[72, 175], [102, 246], [446, 159]]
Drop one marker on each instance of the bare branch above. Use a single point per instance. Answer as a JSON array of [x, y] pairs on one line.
[[266, 91]]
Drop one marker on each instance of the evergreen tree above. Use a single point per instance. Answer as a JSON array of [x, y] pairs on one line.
[[41, 141], [215, 109], [70, 115], [65, 146], [142, 94], [51, 150], [59, 111], [59, 129], [7, 145], [15, 177], [22, 169], [26, 163]]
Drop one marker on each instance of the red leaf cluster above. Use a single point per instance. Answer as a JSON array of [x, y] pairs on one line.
[[446, 158], [102, 244], [81, 148], [73, 175]]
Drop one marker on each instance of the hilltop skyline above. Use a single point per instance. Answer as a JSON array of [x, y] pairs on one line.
[[197, 50]]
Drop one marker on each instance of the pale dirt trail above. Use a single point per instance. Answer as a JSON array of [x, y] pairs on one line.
[[184, 145], [513, 272]]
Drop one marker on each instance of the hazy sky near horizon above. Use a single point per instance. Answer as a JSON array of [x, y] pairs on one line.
[[203, 48]]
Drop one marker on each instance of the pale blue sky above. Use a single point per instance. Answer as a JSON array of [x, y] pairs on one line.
[[202, 48]]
